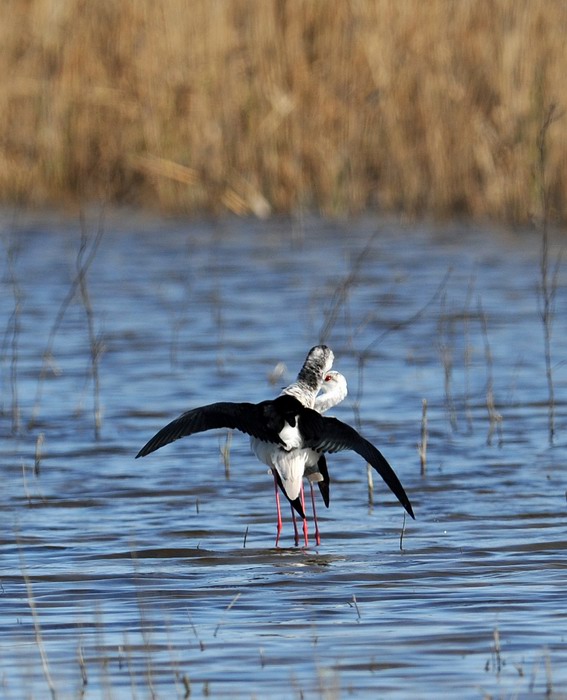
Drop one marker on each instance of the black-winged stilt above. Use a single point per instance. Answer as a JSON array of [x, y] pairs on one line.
[[333, 390], [287, 433]]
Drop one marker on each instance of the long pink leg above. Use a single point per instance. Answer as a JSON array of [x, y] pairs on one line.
[[305, 529], [280, 524], [295, 530], [317, 535]]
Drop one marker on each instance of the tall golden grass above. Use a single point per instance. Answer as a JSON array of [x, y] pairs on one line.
[[273, 105]]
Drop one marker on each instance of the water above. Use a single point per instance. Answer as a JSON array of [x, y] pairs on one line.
[[159, 577]]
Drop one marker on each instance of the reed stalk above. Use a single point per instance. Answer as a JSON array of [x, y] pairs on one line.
[[10, 344], [402, 532], [422, 447], [224, 450], [497, 652], [85, 258], [38, 453], [223, 616], [259, 106], [82, 668], [38, 631], [494, 416], [446, 342], [364, 354], [95, 346], [548, 280], [355, 603]]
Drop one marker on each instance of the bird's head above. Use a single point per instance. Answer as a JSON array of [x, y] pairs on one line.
[[335, 383]]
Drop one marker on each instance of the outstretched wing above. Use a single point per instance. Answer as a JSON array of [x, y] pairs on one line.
[[332, 435], [258, 420]]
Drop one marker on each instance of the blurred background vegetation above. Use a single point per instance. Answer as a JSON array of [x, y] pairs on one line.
[[260, 106]]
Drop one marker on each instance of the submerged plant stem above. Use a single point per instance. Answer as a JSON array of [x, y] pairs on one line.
[[423, 443], [84, 259], [94, 342], [37, 631], [548, 285], [13, 333]]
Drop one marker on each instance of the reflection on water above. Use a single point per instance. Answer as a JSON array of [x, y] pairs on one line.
[[158, 577]]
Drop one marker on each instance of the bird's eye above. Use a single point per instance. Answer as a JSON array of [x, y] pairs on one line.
[[328, 378]]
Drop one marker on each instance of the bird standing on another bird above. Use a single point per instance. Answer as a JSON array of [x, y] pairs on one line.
[[288, 466], [333, 391], [287, 433]]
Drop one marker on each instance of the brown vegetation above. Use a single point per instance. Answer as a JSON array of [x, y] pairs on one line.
[[274, 105]]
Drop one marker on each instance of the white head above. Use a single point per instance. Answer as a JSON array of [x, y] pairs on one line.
[[333, 390], [318, 362]]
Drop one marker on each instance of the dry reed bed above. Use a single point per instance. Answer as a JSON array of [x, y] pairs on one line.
[[273, 105]]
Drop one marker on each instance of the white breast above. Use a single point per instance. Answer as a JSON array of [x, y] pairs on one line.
[[291, 437], [290, 467], [289, 463]]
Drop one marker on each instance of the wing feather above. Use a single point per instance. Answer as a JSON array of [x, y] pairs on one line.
[[324, 486], [332, 435], [259, 420]]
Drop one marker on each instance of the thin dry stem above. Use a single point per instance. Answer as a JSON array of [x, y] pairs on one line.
[[363, 355], [494, 417], [355, 603], [342, 290], [468, 352], [370, 485], [402, 533], [86, 259], [146, 631], [423, 443], [94, 342], [38, 633], [228, 608], [202, 646], [497, 652], [25, 483], [13, 330], [82, 667], [225, 454], [446, 334], [548, 286], [38, 455]]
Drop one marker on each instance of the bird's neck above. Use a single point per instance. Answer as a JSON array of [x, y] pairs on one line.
[[302, 392], [311, 374], [325, 401]]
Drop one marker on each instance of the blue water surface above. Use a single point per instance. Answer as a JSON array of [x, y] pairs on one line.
[[159, 578]]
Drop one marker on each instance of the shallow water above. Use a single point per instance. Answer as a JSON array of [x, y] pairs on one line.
[[159, 577]]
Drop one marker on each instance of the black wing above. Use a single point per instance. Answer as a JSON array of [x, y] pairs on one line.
[[332, 435], [324, 485], [261, 420]]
